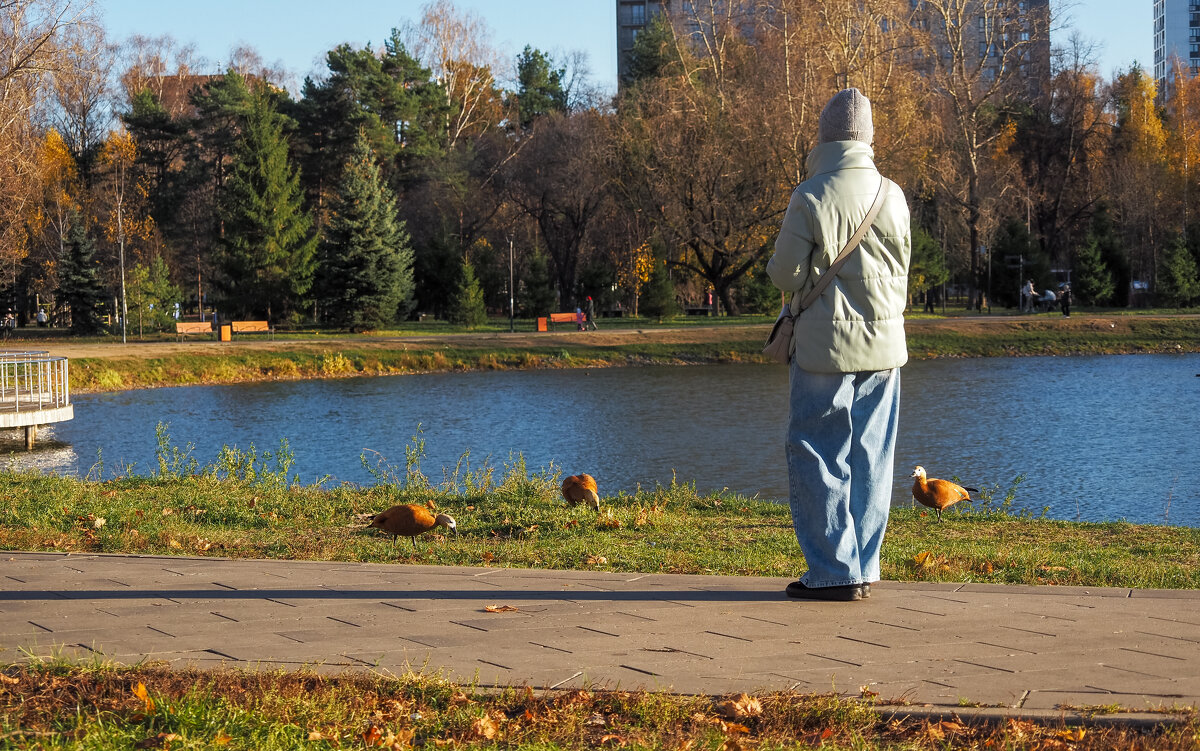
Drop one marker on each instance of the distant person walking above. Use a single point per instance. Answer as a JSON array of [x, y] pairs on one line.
[[1028, 295], [1064, 300], [591, 313]]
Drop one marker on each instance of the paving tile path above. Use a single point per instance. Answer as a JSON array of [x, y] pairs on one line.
[[943, 645]]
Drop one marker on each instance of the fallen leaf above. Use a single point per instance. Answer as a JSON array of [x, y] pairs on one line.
[[9, 680], [596, 720], [866, 692], [500, 609], [484, 727], [488, 556], [373, 736], [459, 698], [157, 741], [99, 522], [173, 543], [595, 560], [168, 511], [1074, 735], [141, 693], [920, 558], [826, 734], [731, 744], [1052, 568], [742, 705], [222, 739], [612, 740], [316, 735]]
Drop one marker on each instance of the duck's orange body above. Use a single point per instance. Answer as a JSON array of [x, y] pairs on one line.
[[581, 489], [937, 494], [410, 520]]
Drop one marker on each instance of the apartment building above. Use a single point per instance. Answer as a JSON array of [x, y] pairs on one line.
[[632, 17], [1176, 37]]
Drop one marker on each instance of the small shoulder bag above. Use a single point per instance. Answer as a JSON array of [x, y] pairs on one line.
[[779, 343]]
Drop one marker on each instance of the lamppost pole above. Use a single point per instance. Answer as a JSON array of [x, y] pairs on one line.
[[511, 293]]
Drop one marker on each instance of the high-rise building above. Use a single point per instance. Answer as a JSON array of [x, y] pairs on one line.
[[1176, 37], [632, 18]]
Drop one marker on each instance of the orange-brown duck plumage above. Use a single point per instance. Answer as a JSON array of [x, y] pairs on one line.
[[410, 520], [937, 494], [581, 489]]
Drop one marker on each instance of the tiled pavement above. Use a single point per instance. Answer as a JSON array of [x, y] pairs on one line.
[[943, 645]]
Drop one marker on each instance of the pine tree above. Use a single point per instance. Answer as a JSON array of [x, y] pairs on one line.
[[540, 86], [537, 295], [1093, 279], [365, 260], [268, 252], [658, 298], [1178, 278], [79, 280], [467, 308]]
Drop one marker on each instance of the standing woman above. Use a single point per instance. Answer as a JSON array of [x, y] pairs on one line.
[[847, 349]]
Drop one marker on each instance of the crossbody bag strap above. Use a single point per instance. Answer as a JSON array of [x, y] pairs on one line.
[[851, 244]]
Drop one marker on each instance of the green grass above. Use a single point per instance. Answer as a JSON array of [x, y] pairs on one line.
[[53, 705], [244, 506]]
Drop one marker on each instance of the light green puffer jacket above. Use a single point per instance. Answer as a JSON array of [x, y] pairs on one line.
[[857, 324]]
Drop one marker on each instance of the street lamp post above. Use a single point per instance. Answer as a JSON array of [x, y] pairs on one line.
[[511, 292]]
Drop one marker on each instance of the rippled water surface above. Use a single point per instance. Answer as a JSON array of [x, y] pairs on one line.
[[1096, 438]]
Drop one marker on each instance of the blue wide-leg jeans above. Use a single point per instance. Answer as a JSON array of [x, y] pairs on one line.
[[840, 446]]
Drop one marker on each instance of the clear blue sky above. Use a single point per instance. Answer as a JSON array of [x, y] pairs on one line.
[[299, 32]]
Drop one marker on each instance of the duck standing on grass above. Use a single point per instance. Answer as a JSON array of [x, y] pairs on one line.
[[938, 494], [410, 520], [581, 489]]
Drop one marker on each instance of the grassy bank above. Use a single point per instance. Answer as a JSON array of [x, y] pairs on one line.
[[50, 706], [354, 356], [244, 507]]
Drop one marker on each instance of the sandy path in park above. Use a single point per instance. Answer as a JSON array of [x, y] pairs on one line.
[[602, 338]]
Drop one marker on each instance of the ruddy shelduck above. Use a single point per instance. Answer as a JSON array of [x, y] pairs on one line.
[[410, 520], [581, 489], [938, 494]]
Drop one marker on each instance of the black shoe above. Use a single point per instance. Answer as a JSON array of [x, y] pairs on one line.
[[866, 589], [847, 593]]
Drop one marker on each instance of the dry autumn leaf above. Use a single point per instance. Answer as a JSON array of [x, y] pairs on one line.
[[459, 698], [372, 736], [8, 680], [740, 706], [595, 560], [612, 740], [141, 693], [484, 728], [500, 609], [1074, 735], [221, 739], [157, 741], [316, 735]]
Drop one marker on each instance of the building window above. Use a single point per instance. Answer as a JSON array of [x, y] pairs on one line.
[[983, 48], [637, 14]]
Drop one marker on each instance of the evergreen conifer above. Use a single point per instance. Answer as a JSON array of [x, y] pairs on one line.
[[268, 249], [79, 280], [467, 308], [365, 277]]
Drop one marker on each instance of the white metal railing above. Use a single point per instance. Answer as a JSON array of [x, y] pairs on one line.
[[33, 380]]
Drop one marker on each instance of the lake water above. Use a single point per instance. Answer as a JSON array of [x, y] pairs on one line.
[[1096, 438]]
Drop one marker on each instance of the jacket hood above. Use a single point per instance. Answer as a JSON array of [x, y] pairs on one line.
[[839, 155]]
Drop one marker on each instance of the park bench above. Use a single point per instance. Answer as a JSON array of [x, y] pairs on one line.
[[253, 327], [563, 318], [183, 328]]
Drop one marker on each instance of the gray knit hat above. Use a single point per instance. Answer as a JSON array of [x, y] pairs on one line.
[[846, 117]]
